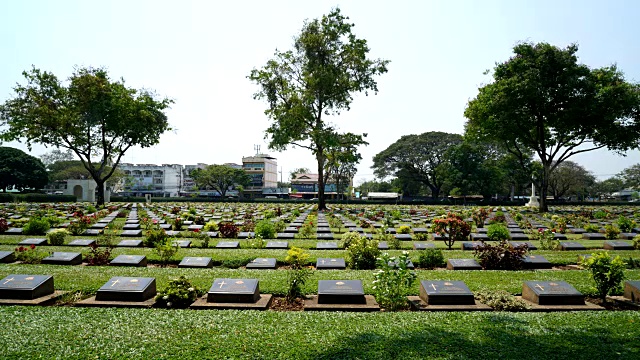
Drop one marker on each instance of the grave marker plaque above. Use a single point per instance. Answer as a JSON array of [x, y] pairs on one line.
[[423, 246], [617, 245], [340, 292], [328, 236], [382, 245], [571, 245], [330, 264], [127, 289], [131, 233], [551, 293], [327, 246], [471, 245], [536, 262], [446, 293], [403, 237], [593, 236], [129, 260], [227, 245], [529, 244], [81, 242], [285, 236], [196, 262], [130, 243], [27, 242], [632, 290], [63, 258], [26, 287], [7, 257], [234, 291], [262, 263], [182, 243], [463, 264], [277, 245], [135, 226]]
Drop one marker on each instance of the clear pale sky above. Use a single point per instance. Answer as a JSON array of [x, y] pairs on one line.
[[200, 52]]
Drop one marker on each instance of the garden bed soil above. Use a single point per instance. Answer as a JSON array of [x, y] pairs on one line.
[[278, 303]]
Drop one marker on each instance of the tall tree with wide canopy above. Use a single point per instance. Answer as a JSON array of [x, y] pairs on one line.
[[314, 81], [96, 118], [220, 178], [570, 178], [420, 157], [543, 100], [19, 170], [631, 176]]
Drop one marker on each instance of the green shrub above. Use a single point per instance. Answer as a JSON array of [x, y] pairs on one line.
[[497, 232], [392, 241], [611, 232], [297, 257], [256, 243], [393, 281], [180, 293], [30, 254], [479, 216], [453, 228], [636, 242], [498, 217], [279, 226], [178, 222], [421, 236], [153, 237], [404, 229], [625, 224], [36, 226], [547, 239], [600, 214], [211, 226], [56, 237], [298, 275], [500, 300], [228, 230], [607, 273], [348, 238], [362, 253], [591, 228], [166, 249], [502, 256], [431, 259], [235, 263], [265, 229], [77, 227]]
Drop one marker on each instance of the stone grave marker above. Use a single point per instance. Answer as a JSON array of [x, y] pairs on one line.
[[632, 290], [291, 230], [382, 245], [395, 264], [330, 264], [130, 243], [7, 257], [131, 233], [328, 236], [559, 236], [262, 263], [403, 237], [285, 236], [479, 237], [212, 234], [28, 242], [471, 245], [129, 260], [172, 233], [593, 236], [135, 226], [246, 235], [463, 264], [195, 227], [617, 245], [277, 245], [627, 236], [420, 230], [481, 230], [423, 246], [129, 222], [529, 244], [99, 225], [234, 291], [26, 287], [227, 245], [536, 262], [551, 293], [13, 231], [81, 242], [445, 293], [135, 289], [181, 243], [63, 258], [92, 232], [571, 245], [323, 230], [165, 226], [196, 262], [340, 292], [327, 246], [578, 231], [518, 236]]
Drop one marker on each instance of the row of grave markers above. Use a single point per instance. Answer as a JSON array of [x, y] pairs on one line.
[[335, 295]]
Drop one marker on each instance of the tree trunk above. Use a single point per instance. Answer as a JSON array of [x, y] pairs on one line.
[[544, 188], [321, 201], [100, 188]]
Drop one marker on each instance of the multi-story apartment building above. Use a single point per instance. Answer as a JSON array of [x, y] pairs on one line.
[[263, 170], [305, 186], [164, 180]]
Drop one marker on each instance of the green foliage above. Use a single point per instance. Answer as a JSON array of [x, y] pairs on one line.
[[498, 232], [166, 249], [266, 229], [178, 294], [453, 228], [404, 229], [99, 255], [480, 215], [77, 227], [91, 115], [228, 230], [4, 226], [30, 254], [36, 226], [210, 226], [306, 231], [362, 253], [256, 243], [636, 242], [178, 223], [220, 178], [611, 232], [297, 257], [298, 275], [592, 228], [392, 241], [19, 170], [392, 281], [498, 218], [235, 263], [607, 273], [625, 224], [57, 236], [279, 226], [600, 214], [349, 238], [500, 300], [154, 236], [502, 256], [431, 259], [547, 239]]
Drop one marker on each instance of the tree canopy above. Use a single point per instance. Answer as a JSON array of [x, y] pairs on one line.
[[631, 176], [19, 170], [543, 100], [421, 158], [96, 118], [315, 80], [570, 178], [220, 178]]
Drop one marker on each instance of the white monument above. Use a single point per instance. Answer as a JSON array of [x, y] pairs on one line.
[[533, 201]]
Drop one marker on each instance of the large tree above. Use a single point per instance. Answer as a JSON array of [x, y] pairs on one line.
[[341, 161], [96, 118], [19, 170], [543, 100], [314, 81], [220, 178], [570, 178], [421, 158], [631, 176]]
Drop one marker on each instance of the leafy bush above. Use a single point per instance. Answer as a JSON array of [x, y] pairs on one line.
[[547, 239], [228, 230], [265, 229], [211, 226], [479, 216], [4, 226], [404, 229], [421, 236], [625, 224], [178, 222], [298, 275], [256, 243], [500, 300], [498, 232], [166, 249], [235, 263], [498, 218], [99, 256], [431, 259], [636, 242], [297, 257], [393, 281], [502, 256], [56, 237], [611, 232], [306, 231], [36, 226], [607, 273], [77, 228], [248, 226], [453, 228], [155, 236], [561, 224], [30, 254], [279, 226], [348, 238], [362, 253], [180, 293], [392, 241], [600, 214], [592, 228]]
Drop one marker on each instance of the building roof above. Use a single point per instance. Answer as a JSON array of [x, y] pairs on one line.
[[383, 195]]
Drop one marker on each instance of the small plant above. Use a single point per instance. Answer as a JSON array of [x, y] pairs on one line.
[[453, 228], [99, 256], [547, 239], [502, 256], [298, 275], [561, 225], [498, 218], [76, 227], [479, 216], [306, 231], [4, 226], [392, 241], [500, 300], [279, 226], [265, 229], [178, 222], [611, 232], [179, 294], [256, 243], [636, 242], [166, 249], [362, 253], [349, 238], [498, 232], [211, 226], [235, 263], [431, 259], [29, 254], [56, 237], [36, 226], [625, 224], [404, 229], [421, 236], [607, 273], [248, 226], [393, 281], [154, 236], [591, 228], [601, 214], [228, 230]]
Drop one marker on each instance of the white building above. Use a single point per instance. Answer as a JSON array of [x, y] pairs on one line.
[[164, 180]]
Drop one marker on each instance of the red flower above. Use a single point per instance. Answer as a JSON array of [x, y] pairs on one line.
[[32, 246]]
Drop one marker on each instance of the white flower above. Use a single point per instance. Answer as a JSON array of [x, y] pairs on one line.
[[190, 289], [169, 304], [166, 297]]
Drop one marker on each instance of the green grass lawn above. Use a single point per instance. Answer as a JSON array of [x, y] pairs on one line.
[[107, 333]]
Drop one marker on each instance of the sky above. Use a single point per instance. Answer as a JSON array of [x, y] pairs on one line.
[[199, 54]]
